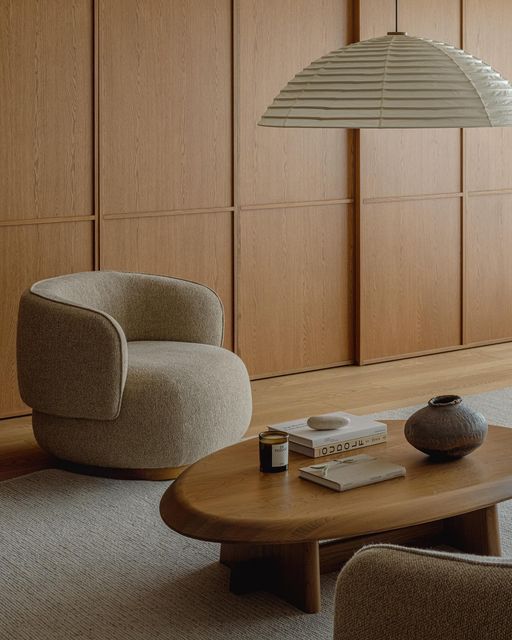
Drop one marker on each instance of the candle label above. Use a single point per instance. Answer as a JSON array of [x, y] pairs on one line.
[[279, 455]]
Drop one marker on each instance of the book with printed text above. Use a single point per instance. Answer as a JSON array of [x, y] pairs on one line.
[[358, 427]]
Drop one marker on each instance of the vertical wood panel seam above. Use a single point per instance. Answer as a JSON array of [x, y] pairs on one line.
[[463, 167], [357, 312], [96, 107], [235, 70]]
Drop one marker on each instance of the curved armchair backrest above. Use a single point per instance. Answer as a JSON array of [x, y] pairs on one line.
[[73, 330], [147, 307], [102, 291]]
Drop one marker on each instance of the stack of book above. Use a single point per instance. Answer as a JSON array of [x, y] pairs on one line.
[[360, 432]]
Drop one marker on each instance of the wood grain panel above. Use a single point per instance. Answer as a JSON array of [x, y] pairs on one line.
[[410, 277], [404, 162], [165, 95], [488, 263], [295, 288], [436, 19], [376, 18], [46, 118], [410, 162], [29, 253], [277, 40], [196, 247], [489, 151]]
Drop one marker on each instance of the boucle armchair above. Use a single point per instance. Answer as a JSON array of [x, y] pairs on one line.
[[126, 371], [393, 593]]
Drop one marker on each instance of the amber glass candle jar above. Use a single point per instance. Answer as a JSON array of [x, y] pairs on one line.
[[273, 452]]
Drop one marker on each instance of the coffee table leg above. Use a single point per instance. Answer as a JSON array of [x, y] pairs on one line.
[[476, 532], [291, 571]]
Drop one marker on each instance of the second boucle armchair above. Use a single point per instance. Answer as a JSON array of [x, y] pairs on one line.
[[126, 371], [387, 592]]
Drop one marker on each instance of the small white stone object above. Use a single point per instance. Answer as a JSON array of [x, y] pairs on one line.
[[327, 421]]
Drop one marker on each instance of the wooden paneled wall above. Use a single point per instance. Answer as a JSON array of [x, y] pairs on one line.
[[410, 189], [165, 140], [488, 189], [191, 187], [294, 197], [129, 140], [435, 206], [47, 211]]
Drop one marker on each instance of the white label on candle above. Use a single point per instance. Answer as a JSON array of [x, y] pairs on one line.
[[280, 455]]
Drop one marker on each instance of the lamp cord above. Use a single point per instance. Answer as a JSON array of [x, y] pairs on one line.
[[396, 15]]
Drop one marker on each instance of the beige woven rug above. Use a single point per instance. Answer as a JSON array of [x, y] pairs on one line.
[[88, 558]]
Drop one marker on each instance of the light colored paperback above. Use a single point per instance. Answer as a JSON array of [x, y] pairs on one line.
[[352, 472], [338, 447], [300, 433]]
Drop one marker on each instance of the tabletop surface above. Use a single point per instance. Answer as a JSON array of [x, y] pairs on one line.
[[225, 498]]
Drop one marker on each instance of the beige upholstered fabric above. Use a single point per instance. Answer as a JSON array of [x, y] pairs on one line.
[[126, 370], [72, 334], [181, 402], [392, 593], [72, 361], [147, 307]]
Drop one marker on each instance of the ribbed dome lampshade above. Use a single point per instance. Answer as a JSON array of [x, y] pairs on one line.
[[394, 82]]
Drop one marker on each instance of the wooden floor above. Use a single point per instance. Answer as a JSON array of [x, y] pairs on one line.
[[356, 389]]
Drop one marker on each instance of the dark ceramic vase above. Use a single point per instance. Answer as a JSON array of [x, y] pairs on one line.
[[446, 429]]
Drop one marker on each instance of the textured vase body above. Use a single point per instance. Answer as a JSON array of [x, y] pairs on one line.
[[446, 429]]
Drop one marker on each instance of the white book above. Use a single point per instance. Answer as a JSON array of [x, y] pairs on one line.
[[338, 447], [349, 473], [300, 433]]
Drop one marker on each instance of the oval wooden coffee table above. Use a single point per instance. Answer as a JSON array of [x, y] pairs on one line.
[[271, 526]]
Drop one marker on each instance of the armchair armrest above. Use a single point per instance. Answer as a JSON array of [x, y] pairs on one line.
[[72, 360], [393, 593]]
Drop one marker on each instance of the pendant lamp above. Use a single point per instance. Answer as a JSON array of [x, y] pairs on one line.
[[394, 82]]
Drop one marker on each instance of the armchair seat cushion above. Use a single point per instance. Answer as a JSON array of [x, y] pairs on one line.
[[181, 401]]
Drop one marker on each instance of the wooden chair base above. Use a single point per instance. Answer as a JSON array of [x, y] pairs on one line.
[[165, 473]]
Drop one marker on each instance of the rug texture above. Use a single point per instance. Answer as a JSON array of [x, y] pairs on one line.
[[89, 558]]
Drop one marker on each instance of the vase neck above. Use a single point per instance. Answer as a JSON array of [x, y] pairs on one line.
[[445, 401]]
